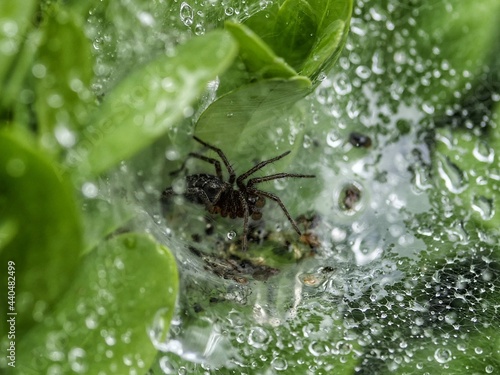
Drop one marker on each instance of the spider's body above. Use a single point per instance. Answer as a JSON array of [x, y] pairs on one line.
[[224, 198]]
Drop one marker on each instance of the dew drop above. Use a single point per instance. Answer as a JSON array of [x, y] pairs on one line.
[[342, 84], [231, 235], [146, 18], [76, 358], [363, 72], [64, 136], [483, 206], [90, 190], [186, 14], [483, 152], [333, 139], [279, 364], [258, 337], [442, 355], [454, 178]]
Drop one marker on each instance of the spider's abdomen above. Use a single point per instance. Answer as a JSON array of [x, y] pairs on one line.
[[199, 186]]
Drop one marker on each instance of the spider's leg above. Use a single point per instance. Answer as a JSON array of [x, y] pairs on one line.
[[258, 166], [230, 170], [277, 200], [276, 176], [200, 193], [216, 163], [244, 204]]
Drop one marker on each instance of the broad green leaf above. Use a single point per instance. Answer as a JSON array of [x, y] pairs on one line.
[[125, 288], [15, 20], [247, 112], [325, 50], [259, 59], [150, 101], [295, 31], [63, 91], [332, 16], [46, 243]]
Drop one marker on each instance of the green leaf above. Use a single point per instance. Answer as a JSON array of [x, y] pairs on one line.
[[260, 60], [63, 91], [247, 112], [295, 31], [45, 233], [150, 101], [325, 49], [15, 20], [125, 287]]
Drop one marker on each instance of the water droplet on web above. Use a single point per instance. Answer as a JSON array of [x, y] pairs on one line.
[[483, 206], [146, 18], [363, 72], [64, 136], [258, 337], [483, 152], [342, 84], [279, 364], [333, 139], [455, 179], [186, 14], [199, 29], [231, 235], [442, 355], [77, 362]]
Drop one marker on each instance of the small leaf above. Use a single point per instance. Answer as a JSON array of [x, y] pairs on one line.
[[45, 233], [125, 288], [150, 101], [259, 59]]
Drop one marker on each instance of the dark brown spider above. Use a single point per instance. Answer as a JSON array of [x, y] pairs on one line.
[[220, 197]]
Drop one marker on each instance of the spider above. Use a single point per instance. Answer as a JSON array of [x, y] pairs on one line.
[[221, 197]]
